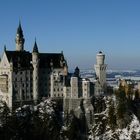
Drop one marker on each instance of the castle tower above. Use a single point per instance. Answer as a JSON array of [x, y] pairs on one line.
[[100, 69], [77, 72], [19, 39], [74, 87], [35, 62]]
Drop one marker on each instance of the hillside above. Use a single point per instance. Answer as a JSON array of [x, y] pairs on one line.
[[115, 118], [118, 121]]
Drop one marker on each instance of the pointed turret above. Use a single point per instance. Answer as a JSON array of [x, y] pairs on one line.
[[19, 39], [77, 72], [19, 30], [35, 62], [35, 48], [5, 48]]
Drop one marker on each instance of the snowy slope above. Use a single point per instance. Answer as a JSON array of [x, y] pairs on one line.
[[102, 131]]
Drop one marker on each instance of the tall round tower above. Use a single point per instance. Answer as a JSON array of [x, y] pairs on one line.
[[100, 69], [19, 39], [35, 62], [100, 57]]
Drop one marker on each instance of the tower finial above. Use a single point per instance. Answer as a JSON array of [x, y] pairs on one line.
[[35, 48], [4, 47], [19, 30], [19, 38]]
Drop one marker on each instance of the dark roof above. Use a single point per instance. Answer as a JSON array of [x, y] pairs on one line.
[[20, 59], [77, 68], [50, 59]]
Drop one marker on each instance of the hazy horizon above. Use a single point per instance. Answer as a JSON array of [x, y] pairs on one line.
[[80, 28]]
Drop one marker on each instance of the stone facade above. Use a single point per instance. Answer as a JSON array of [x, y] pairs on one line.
[[100, 70], [26, 78]]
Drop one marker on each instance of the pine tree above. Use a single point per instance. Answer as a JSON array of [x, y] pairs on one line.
[[4, 118], [133, 135], [73, 132], [136, 94], [121, 107], [112, 116]]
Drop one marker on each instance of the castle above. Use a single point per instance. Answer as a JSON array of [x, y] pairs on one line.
[[27, 77]]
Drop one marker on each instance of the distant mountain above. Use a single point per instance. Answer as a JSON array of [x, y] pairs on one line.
[[89, 73]]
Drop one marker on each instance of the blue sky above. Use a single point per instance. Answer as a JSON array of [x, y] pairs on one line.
[[80, 28]]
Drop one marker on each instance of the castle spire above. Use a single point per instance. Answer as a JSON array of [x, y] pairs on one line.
[[4, 47], [77, 72], [35, 61], [19, 30], [19, 38], [35, 48]]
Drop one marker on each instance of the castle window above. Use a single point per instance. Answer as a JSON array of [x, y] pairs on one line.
[[28, 96], [15, 79], [58, 89], [23, 96]]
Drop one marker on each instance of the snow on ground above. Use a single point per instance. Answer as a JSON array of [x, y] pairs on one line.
[[122, 134], [134, 127], [46, 107]]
